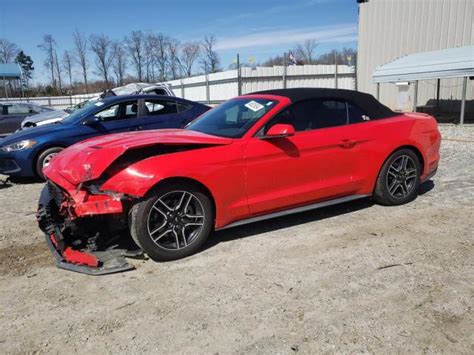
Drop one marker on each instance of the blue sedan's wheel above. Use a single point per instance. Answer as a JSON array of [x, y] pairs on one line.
[[45, 158], [173, 223]]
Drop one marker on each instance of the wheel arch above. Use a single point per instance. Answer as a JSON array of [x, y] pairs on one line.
[[415, 149], [411, 147], [185, 180], [41, 151]]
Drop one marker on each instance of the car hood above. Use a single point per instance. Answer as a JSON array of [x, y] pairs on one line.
[[87, 160], [31, 133], [59, 114]]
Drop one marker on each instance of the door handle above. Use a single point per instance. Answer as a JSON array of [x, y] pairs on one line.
[[347, 143]]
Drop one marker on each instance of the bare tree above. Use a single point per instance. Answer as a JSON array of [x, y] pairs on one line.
[[173, 57], [57, 69], [189, 52], [80, 49], [48, 46], [119, 63], [135, 45], [68, 65], [305, 51], [161, 55], [210, 60], [8, 51], [101, 46]]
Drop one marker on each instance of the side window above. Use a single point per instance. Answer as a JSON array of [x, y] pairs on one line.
[[182, 107], [313, 114], [330, 113], [160, 107], [123, 110], [18, 109], [356, 115]]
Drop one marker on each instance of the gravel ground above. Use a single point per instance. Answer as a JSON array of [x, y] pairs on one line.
[[351, 278]]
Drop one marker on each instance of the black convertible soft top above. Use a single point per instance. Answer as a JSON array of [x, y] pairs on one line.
[[366, 102]]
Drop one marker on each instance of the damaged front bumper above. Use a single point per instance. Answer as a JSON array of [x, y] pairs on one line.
[[75, 246]]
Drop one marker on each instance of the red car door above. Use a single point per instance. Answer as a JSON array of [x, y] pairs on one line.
[[314, 164]]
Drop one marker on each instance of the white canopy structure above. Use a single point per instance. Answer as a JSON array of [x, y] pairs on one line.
[[441, 64]]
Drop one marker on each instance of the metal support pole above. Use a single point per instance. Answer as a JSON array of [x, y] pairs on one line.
[[284, 70], [5, 87], [239, 76], [208, 94], [415, 96], [182, 89], [335, 70], [378, 91], [463, 101], [438, 82]]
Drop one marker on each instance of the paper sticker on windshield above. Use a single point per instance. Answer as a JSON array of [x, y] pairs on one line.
[[99, 103], [254, 106]]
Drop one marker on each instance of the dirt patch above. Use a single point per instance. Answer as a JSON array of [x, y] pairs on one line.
[[17, 259]]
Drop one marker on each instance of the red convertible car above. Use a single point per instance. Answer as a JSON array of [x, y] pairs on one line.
[[254, 157]]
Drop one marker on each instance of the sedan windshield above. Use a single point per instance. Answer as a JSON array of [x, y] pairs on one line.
[[233, 118], [85, 111]]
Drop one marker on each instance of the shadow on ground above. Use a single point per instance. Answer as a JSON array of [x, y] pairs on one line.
[[297, 219]]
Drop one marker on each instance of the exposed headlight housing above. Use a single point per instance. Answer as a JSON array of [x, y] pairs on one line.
[[17, 146]]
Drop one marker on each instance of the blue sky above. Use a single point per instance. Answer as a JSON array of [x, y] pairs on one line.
[[258, 29]]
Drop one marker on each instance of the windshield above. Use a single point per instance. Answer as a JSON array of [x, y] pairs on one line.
[[85, 111], [233, 118]]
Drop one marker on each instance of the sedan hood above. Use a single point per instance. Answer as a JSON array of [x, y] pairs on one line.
[[87, 160], [45, 116]]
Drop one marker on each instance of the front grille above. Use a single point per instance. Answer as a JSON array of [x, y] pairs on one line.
[[56, 193]]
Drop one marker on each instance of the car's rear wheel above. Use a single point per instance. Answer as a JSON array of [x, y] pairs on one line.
[[398, 179], [45, 158], [173, 223]]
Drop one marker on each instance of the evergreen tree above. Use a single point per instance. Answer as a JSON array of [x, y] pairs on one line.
[[26, 64]]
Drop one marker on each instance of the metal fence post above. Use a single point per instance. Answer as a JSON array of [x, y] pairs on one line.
[[208, 94], [182, 89], [284, 70], [49, 101], [415, 96], [239, 76], [378, 91], [335, 70], [463, 101]]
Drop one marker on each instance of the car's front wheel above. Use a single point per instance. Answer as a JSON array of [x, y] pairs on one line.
[[398, 179], [45, 158], [173, 222]]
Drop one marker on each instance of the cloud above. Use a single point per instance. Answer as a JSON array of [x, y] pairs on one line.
[[330, 34]]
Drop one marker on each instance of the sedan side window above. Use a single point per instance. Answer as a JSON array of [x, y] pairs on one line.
[[18, 109], [160, 107], [123, 110]]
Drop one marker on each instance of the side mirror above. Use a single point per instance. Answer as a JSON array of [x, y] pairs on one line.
[[280, 130], [90, 121]]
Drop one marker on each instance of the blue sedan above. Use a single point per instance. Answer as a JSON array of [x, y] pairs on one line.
[[26, 153]]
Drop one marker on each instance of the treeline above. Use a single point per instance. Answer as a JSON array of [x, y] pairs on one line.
[[305, 53], [139, 56], [95, 63]]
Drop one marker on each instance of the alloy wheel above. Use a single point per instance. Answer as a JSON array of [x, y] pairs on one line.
[[175, 220], [401, 177]]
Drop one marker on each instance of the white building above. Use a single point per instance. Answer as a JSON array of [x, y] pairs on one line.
[[391, 29]]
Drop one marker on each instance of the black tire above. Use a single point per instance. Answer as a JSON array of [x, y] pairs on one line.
[[398, 179], [186, 225], [43, 159]]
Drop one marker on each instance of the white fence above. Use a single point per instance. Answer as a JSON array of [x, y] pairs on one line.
[[57, 102], [217, 87]]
